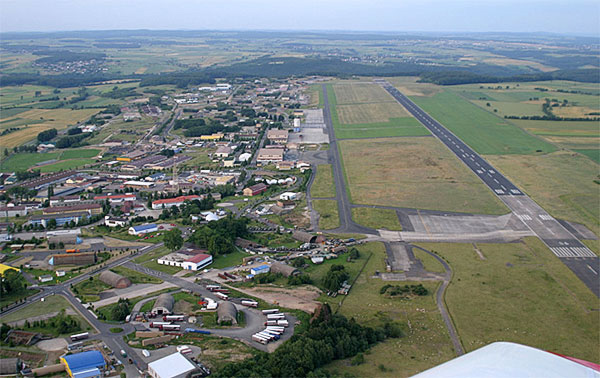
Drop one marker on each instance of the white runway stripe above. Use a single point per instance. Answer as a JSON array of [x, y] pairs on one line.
[[572, 252]]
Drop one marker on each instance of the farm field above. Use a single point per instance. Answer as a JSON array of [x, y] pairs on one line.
[[359, 93], [484, 132], [488, 298], [370, 113], [323, 186], [425, 342], [376, 218], [394, 126], [561, 182], [67, 159], [34, 121], [424, 175], [328, 213]]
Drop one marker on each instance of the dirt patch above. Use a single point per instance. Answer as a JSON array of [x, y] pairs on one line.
[[32, 359], [52, 344], [183, 307], [302, 298], [112, 242]]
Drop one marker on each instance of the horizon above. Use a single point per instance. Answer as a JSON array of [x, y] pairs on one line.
[[440, 33], [581, 17]]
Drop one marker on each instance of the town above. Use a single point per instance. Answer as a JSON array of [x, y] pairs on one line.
[[232, 204]]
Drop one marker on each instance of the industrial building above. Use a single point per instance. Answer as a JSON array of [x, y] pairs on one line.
[[64, 236], [277, 136], [114, 279], [260, 269], [255, 189], [270, 155], [89, 364], [284, 269], [306, 237], [143, 229], [173, 366], [116, 198], [13, 211], [170, 202], [83, 258], [227, 313], [61, 219], [91, 208], [163, 304], [112, 221], [185, 261], [197, 262]]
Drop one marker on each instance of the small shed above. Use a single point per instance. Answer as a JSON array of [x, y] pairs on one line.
[[115, 280], [227, 313], [163, 304], [284, 269]]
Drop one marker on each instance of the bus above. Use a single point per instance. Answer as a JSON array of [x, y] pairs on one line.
[[271, 311], [80, 336]]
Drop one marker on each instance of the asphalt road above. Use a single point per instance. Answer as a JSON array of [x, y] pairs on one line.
[[560, 240], [344, 208]]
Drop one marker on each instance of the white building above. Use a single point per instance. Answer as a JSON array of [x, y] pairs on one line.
[[143, 229], [197, 262], [187, 262], [115, 221], [288, 196], [174, 365]]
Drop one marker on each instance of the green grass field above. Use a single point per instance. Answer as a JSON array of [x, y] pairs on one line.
[[425, 342], [415, 173], [135, 276], [68, 159], [323, 186], [563, 183], [230, 259], [395, 127], [359, 93], [484, 132], [516, 294], [328, 213], [52, 303], [376, 218]]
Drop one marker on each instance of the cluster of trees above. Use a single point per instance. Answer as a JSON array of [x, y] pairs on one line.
[[328, 338], [21, 192], [71, 140], [300, 279], [12, 283], [117, 93], [334, 278], [120, 311], [59, 56], [188, 208], [59, 324], [47, 135], [403, 291], [9, 130], [173, 239], [218, 237], [465, 77]]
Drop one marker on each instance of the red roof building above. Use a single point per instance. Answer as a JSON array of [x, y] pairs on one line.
[[169, 202]]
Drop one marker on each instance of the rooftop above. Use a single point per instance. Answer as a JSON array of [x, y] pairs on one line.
[[171, 366]]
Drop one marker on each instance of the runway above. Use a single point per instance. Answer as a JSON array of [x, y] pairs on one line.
[[580, 259]]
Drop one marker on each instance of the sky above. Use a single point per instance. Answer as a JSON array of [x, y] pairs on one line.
[[580, 17]]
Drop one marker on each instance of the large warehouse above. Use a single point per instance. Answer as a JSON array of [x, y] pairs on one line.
[[163, 304], [115, 280], [85, 364], [172, 366]]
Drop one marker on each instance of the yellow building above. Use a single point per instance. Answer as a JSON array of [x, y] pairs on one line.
[[215, 136], [4, 268]]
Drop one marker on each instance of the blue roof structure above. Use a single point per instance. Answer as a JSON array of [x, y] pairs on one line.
[[91, 373], [83, 362], [143, 227]]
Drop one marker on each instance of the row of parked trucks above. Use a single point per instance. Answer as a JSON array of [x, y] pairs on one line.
[[275, 327]]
